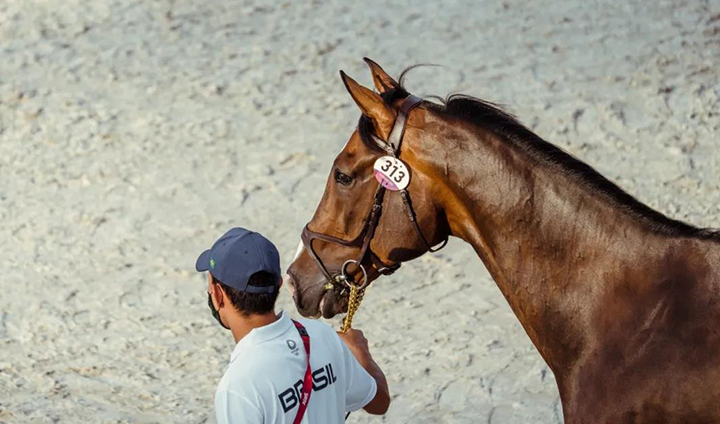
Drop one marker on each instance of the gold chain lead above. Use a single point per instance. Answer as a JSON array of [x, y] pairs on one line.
[[356, 297]]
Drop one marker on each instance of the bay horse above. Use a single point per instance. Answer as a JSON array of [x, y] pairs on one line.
[[622, 302]]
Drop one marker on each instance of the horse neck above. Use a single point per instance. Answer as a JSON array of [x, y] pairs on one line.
[[539, 232]]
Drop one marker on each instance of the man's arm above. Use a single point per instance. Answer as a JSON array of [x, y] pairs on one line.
[[358, 346]]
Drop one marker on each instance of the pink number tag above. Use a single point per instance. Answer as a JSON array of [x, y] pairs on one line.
[[392, 173]]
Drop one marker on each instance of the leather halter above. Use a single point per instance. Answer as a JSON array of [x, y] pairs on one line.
[[392, 147]]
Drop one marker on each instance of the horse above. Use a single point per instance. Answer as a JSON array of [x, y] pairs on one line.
[[622, 302]]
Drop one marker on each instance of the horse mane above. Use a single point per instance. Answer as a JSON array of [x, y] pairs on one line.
[[492, 117]]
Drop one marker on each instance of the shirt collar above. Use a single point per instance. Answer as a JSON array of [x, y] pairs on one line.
[[263, 334]]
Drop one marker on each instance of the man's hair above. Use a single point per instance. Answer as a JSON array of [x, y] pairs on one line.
[[252, 303]]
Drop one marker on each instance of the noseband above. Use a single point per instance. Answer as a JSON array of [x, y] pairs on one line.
[[392, 147]]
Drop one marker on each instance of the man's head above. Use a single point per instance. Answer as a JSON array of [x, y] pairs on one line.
[[249, 303], [243, 273]]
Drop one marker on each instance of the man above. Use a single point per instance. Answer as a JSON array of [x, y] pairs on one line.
[[268, 375]]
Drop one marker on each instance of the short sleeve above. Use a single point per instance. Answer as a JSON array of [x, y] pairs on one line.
[[233, 408], [361, 386]]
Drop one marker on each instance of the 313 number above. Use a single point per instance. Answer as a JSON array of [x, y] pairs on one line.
[[400, 174]]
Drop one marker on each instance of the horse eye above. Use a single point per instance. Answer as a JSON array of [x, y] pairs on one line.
[[342, 178]]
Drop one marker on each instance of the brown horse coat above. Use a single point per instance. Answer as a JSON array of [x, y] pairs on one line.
[[622, 302]]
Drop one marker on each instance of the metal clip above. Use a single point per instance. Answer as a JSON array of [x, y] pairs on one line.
[[346, 276]]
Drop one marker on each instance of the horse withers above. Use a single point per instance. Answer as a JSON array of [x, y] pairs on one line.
[[622, 302]]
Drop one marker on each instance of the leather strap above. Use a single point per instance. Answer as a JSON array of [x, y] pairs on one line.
[[413, 218], [363, 240], [398, 131], [307, 381]]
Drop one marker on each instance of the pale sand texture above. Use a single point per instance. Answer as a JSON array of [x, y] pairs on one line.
[[133, 133]]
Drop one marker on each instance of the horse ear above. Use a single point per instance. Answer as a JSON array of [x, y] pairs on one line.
[[371, 105], [383, 81]]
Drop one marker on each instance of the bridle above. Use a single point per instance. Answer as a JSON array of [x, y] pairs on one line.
[[363, 240]]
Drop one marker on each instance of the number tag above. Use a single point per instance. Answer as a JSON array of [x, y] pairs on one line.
[[392, 173]]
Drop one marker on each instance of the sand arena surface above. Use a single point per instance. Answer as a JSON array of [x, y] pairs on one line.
[[133, 133]]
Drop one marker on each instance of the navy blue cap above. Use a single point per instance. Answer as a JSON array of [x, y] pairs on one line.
[[239, 254]]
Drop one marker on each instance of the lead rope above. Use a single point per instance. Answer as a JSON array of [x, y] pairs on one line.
[[356, 297]]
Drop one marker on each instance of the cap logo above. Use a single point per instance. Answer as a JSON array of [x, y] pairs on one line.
[[212, 263]]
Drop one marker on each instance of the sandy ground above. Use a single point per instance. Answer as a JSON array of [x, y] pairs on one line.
[[133, 133]]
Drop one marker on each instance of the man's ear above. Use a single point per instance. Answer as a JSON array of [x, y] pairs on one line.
[[217, 295], [383, 82], [371, 105]]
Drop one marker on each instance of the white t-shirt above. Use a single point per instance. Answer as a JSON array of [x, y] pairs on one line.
[[263, 382]]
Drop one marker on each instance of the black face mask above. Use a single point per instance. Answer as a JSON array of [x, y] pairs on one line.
[[215, 313]]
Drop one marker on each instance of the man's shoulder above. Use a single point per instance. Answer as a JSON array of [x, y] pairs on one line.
[[248, 365], [235, 398], [321, 333], [244, 378], [235, 381], [317, 327]]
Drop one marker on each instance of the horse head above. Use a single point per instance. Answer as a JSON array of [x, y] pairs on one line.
[[360, 230]]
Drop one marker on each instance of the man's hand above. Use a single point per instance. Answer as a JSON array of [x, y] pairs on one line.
[[358, 346]]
